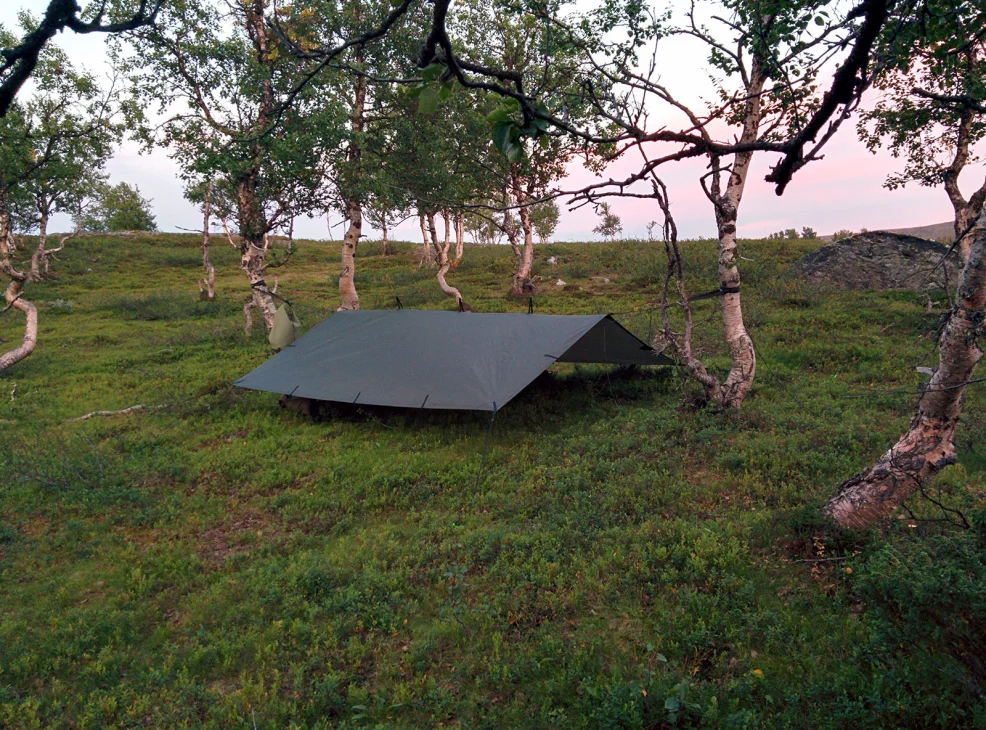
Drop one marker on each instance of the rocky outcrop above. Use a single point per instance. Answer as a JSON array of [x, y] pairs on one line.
[[880, 260]]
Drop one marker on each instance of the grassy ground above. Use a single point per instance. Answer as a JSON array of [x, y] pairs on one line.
[[626, 560]]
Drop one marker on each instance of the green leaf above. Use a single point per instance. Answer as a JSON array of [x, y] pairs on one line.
[[446, 90], [498, 115], [429, 100], [515, 152], [501, 135], [433, 71]]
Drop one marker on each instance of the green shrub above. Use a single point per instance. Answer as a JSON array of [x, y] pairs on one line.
[[929, 594], [168, 306]]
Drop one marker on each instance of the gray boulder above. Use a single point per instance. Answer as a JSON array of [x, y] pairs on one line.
[[880, 260]]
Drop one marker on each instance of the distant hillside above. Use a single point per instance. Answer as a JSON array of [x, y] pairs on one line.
[[933, 232]]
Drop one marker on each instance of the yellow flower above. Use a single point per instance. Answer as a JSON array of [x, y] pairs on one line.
[[757, 673]]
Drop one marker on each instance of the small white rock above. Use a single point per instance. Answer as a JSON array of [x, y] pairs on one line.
[[559, 283], [552, 260]]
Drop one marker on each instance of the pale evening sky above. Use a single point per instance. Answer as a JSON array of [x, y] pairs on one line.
[[842, 191]]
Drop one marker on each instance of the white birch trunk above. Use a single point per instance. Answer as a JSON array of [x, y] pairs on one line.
[[928, 446], [12, 295], [349, 299], [523, 284], [427, 256], [741, 351], [13, 300], [252, 261], [441, 255]]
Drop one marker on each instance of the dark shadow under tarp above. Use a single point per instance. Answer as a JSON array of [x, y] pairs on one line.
[[448, 360]]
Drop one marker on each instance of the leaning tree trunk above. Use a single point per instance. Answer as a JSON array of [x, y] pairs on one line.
[[349, 299], [523, 284], [14, 301], [927, 447], [12, 296], [207, 286]]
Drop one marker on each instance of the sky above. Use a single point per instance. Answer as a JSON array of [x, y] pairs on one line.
[[842, 191]]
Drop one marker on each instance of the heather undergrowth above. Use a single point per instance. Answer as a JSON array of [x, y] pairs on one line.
[[624, 560]]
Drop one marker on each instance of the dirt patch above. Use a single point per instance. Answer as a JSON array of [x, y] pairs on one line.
[[239, 536]]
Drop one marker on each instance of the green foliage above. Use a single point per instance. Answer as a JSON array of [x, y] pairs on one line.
[[937, 49], [166, 306], [621, 561], [610, 224], [238, 130], [929, 595], [544, 218], [54, 143], [118, 207]]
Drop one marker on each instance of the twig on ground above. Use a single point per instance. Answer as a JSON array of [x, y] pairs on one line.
[[121, 412]]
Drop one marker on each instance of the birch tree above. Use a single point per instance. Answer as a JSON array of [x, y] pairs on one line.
[[219, 77], [770, 93], [211, 200], [931, 110], [437, 156], [340, 49], [494, 36], [49, 146], [936, 96]]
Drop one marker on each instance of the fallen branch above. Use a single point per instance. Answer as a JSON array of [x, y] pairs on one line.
[[124, 411], [822, 560]]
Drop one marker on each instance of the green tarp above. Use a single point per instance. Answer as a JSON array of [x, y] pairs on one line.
[[450, 360]]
